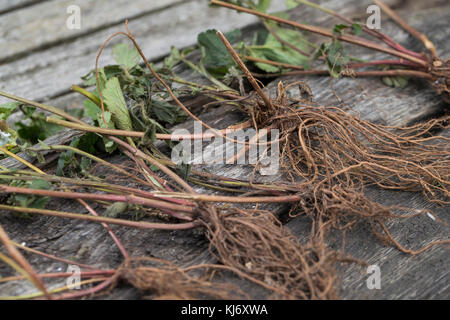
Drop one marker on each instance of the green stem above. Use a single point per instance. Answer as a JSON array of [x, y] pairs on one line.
[[51, 109], [87, 94], [121, 222], [201, 70]]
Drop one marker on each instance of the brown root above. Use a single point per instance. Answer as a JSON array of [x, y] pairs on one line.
[[325, 142], [256, 245], [441, 78], [162, 279]]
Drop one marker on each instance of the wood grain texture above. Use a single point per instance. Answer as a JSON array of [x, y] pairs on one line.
[[44, 24], [402, 276], [11, 5]]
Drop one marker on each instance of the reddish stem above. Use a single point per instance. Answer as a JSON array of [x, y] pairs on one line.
[[324, 32], [105, 197]]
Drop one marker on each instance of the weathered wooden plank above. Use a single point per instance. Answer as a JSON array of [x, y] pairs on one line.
[[44, 24], [403, 276], [10, 5]]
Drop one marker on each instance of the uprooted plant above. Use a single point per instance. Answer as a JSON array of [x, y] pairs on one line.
[[327, 154]]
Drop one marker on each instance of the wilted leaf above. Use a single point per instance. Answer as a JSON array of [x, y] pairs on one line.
[[35, 127], [40, 184], [115, 209], [31, 201]]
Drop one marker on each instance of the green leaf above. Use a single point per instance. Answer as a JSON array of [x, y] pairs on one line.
[[357, 29], [110, 146], [40, 184], [215, 54], [396, 81], [90, 79], [126, 56], [166, 112], [8, 138], [31, 201], [263, 5], [115, 209], [291, 4], [8, 108], [339, 28], [35, 127], [87, 142], [274, 50], [336, 57], [115, 102], [173, 58], [91, 109]]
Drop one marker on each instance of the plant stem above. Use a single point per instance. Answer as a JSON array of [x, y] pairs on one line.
[[374, 33], [213, 198], [201, 70], [90, 156], [106, 197], [324, 32], [83, 274], [87, 94], [155, 162], [418, 35], [247, 73], [121, 222], [49, 256], [383, 73], [135, 134], [51, 109], [274, 63], [12, 155]]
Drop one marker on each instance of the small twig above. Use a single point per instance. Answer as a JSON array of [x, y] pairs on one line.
[[155, 162], [111, 233]]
